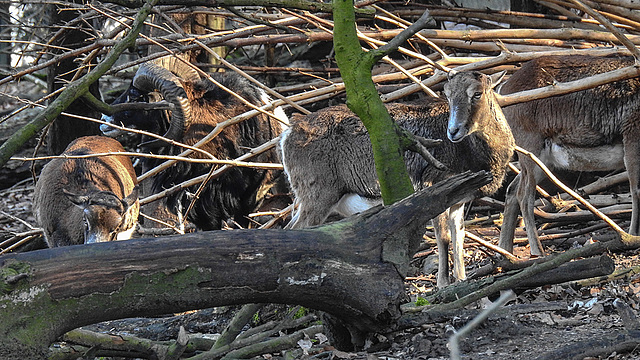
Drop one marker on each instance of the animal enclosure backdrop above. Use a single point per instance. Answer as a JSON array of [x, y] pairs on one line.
[[60, 71]]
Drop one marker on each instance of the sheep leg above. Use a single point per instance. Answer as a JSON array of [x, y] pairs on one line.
[[510, 217], [305, 217], [443, 239], [456, 227], [313, 210], [526, 197], [631, 162]]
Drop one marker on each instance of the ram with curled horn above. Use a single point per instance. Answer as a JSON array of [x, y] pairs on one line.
[[199, 105]]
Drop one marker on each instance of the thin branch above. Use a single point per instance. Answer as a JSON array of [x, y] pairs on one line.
[[609, 26], [569, 191], [291, 4], [163, 223], [399, 39], [489, 245], [74, 90], [420, 145], [254, 81], [195, 181], [234, 163]]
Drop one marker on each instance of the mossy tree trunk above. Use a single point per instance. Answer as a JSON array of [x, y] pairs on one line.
[[348, 269], [362, 98]]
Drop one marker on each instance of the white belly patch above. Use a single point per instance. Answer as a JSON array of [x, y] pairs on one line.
[[351, 204], [600, 158]]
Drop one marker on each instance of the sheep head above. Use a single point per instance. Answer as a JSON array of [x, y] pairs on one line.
[[105, 215], [164, 76]]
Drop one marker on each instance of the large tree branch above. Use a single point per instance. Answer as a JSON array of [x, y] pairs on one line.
[[353, 269]]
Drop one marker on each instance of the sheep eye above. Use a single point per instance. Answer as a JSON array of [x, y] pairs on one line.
[[477, 95]]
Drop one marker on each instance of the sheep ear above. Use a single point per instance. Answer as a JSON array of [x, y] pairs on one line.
[[497, 78], [131, 198], [78, 200], [451, 74]]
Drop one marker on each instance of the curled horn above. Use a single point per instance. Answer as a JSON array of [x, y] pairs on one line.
[[153, 77], [131, 199], [178, 67]]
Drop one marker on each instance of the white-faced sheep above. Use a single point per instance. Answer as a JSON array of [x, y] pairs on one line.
[[589, 130], [199, 106], [328, 158], [87, 200]]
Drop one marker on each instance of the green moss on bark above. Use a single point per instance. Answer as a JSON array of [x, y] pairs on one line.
[[363, 99], [44, 318]]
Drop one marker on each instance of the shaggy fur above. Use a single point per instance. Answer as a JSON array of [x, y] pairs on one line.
[[239, 190], [328, 158]]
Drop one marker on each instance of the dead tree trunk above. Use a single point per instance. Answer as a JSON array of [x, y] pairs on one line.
[[353, 269], [67, 128]]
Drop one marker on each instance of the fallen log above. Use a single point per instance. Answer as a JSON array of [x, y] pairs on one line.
[[416, 316], [353, 269]]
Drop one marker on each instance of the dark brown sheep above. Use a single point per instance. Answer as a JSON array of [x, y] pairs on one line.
[[200, 105]]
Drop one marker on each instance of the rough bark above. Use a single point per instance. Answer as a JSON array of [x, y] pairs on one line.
[[353, 269]]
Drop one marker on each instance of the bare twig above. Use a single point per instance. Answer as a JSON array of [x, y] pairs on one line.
[[455, 338], [253, 152], [490, 246], [607, 24], [19, 240], [569, 191], [162, 157]]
